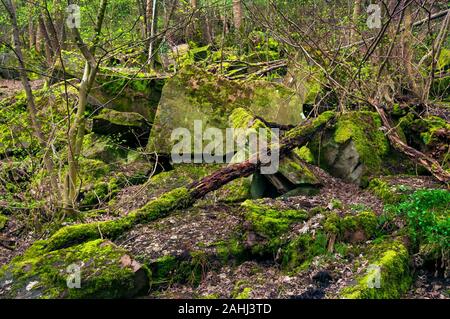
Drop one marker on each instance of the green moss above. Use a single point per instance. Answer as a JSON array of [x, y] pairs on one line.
[[322, 119], [384, 191], [271, 221], [3, 221], [230, 250], [390, 261], [171, 269], [244, 294], [365, 221], [298, 253], [363, 129], [305, 154], [336, 204], [103, 273]]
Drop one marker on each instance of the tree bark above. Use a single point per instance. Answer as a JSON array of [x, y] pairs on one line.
[[237, 14], [355, 19], [77, 127], [153, 30]]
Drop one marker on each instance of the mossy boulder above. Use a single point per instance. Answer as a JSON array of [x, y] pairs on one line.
[[129, 90], [130, 128], [387, 275], [354, 147], [352, 228], [292, 170], [105, 271], [266, 223], [194, 94]]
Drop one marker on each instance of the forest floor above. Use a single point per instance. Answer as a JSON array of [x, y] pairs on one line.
[[199, 227]]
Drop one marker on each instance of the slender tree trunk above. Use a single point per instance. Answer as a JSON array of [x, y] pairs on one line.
[[31, 33], [355, 19], [38, 43], [237, 14], [32, 110], [77, 127], [153, 30], [148, 19], [407, 40], [47, 46]]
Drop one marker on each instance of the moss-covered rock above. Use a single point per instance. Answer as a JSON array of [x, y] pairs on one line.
[[354, 148], [194, 94], [299, 252], [3, 221], [387, 276], [105, 271], [102, 147], [130, 128]]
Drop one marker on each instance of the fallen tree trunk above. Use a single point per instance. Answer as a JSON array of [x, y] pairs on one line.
[[294, 138], [178, 198], [418, 157]]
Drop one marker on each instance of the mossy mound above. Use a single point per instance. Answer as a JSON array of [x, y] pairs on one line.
[[386, 277], [353, 228], [179, 269], [3, 221], [354, 148], [105, 271], [269, 223]]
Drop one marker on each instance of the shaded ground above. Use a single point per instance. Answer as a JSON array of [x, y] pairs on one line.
[[203, 225]]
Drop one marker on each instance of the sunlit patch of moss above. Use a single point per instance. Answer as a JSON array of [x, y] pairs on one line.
[[271, 221], [365, 221], [322, 119], [3, 221], [299, 252], [363, 129], [305, 154], [384, 191], [389, 262]]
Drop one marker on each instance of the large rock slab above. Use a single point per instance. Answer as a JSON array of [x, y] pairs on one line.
[[194, 94]]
